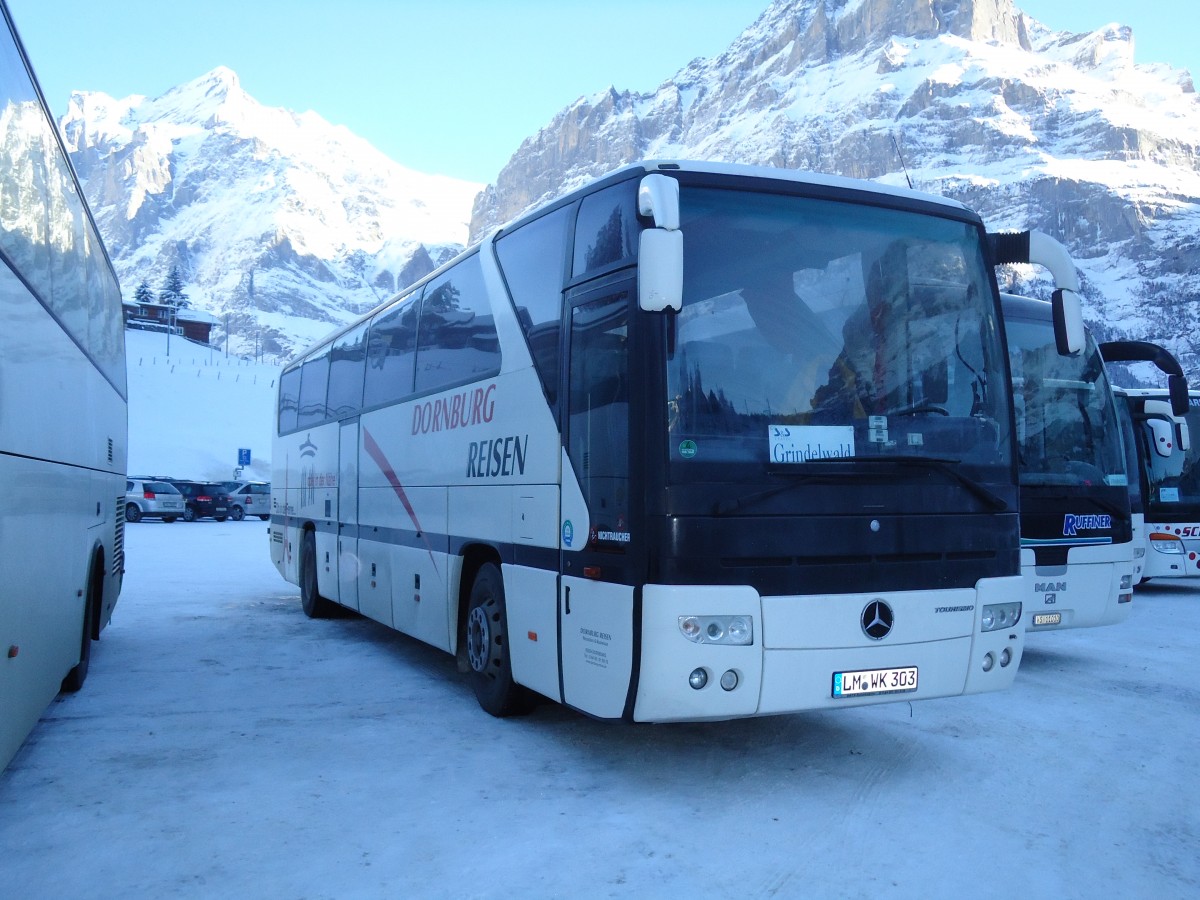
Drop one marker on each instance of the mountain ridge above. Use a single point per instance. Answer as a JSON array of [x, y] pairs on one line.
[[1033, 128], [285, 224]]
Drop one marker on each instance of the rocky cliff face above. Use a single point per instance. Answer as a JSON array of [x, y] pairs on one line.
[[1033, 128], [281, 224]]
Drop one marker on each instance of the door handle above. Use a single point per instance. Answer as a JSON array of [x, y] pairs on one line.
[[567, 599]]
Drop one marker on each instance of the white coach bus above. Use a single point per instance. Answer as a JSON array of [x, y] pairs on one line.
[[695, 441], [62, 412], [1169, 476]]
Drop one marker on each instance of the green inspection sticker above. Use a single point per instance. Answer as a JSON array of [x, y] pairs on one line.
[[687, 449]]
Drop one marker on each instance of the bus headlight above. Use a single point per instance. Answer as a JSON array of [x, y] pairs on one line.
[[1166, 543], [735, 630], [1000, 615], [1126, 582]]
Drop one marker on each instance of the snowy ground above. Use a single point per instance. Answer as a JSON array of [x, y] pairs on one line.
[[226, 746]]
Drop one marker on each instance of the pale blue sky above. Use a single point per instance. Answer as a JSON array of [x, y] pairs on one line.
[[452, 86]]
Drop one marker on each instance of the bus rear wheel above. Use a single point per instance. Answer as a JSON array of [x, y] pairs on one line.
[[488, 648], [315, 606]]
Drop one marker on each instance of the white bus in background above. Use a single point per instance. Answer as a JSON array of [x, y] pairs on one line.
[[1169, 477], [1177, 399], [694, 441], [1080, 547], [62, 412]]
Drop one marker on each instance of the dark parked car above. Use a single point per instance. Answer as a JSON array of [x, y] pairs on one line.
[[203, 498], [249, 498]]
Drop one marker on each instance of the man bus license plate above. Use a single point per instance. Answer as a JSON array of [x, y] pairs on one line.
[[875, 681], [1047, 619]]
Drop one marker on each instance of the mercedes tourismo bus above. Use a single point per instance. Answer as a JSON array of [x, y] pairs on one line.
[[1077, 550], [1169, 474], [694, 441], [62, 412]]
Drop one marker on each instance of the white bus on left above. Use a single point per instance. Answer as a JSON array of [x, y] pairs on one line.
[[62, 412]]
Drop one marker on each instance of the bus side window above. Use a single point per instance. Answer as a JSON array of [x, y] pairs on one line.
[[457, 340], [347, 368], [533, 260], [391, 353], [606, 233], [289, 400], [313, 383]]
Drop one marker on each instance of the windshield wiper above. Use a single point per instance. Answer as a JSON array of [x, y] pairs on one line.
[[941, 464]]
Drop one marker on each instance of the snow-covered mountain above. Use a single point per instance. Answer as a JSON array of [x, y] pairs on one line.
[[283, 222], [1033, 128]]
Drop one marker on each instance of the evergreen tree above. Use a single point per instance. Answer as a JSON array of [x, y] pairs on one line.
[[172, 293], [143, 294]]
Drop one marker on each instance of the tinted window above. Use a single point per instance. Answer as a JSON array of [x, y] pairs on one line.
[[532, 259], [391, 352], [598, 423], [457, 339], [347, 365], [289, 400], [607, 230], [313, 382]]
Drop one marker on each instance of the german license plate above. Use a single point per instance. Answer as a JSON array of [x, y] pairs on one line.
[[1047, 619], [875, 681]]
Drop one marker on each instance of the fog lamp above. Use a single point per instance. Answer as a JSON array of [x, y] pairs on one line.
[[698, 678]]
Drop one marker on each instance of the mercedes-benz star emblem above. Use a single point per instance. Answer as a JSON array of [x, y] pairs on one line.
[[877, 619]]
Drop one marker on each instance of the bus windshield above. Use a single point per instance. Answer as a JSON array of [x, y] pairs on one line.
[[814, 330], [1171, 494], [1067, 427]]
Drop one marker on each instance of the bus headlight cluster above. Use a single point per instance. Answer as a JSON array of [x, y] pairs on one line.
[[1001, 615], [1166, 543], [736, 630]]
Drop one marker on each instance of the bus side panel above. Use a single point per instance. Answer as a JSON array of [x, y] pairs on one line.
[[419, 582], [42, 588], [530, 597]]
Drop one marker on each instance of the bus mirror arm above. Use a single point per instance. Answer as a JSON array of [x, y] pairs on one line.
[[1145, 351], [1037, 248]]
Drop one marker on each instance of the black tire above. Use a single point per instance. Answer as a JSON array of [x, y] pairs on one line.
[[133, 512], [220, 518], [315, 606], [75, 678], [486, 640], [189, 514], [237, 514], [169, 519], [264, 518]]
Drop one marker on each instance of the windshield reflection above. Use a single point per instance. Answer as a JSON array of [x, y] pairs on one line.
[[813, 329]]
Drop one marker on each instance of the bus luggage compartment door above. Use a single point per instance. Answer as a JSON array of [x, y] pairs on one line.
[[596, 621]]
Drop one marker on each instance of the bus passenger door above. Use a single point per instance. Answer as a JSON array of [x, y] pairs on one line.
[[596, 594], [347, 514]]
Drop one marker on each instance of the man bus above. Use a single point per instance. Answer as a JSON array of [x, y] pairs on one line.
[[1080, 550], [694, 441], [62, 412]]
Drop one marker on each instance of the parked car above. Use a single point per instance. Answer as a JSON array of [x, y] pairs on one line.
[[203, 499], [149, 499], [249, 498]]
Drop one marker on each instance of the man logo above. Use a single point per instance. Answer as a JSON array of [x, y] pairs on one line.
[[877, 618]]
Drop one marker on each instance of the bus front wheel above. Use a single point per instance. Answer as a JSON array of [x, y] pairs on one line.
[[488, 648]]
